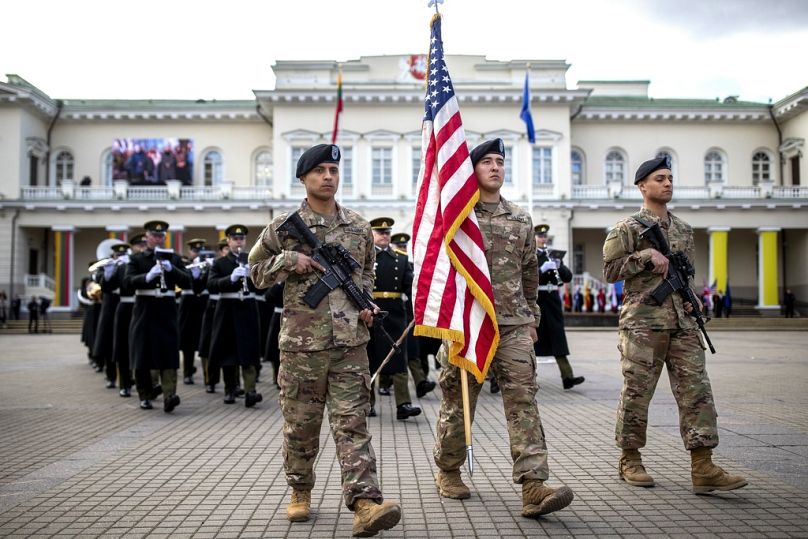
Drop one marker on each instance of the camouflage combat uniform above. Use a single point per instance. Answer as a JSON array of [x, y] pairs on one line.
[[511, 256], [655, 336], [323, 353]]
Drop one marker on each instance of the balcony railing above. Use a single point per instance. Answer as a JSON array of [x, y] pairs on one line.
[[590, 192], [790, 191]]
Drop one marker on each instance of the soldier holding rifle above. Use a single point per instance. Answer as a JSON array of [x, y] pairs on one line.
[[323, 340], [659, 327]]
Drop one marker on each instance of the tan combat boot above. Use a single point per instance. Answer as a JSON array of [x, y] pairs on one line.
[[539, 499], [299, 508], [451, 486], [632, 471], [371, 517], [707, 476]]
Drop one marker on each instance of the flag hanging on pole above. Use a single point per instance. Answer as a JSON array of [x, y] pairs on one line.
[[453, 295], [338, 111], [525, 114]]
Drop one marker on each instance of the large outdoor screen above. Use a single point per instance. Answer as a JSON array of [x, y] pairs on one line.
[[152, 161]]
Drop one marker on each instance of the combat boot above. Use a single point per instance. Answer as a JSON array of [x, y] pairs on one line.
[[632, 471], [299, 507], [450, 485], [707, 476], [539, 499], [371, 517]]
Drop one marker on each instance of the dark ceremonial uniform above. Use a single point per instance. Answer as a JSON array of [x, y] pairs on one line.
[[193, 302], [91, 312], [272, 352], [102, 345], [552, 340], [120, 330]]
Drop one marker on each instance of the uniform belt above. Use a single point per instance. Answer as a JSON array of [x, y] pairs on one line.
[[260, 298], [236, 295], [213, 297], [548, 287], [279, 310], [154, 292], [116, 291], [204, 293], [188, 293], [127, 299], [386, 295]]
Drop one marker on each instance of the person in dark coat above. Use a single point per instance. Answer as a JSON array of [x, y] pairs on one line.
[[192, 307], [122, 320], [393, 279], [33, 315], [272, 352], [235, 338], [789, 299], [91, 309], [212, 375], [154, 332], [106, 276], [44, 316], [552, 339]]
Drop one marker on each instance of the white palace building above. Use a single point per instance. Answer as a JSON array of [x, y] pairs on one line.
[[739, 166]]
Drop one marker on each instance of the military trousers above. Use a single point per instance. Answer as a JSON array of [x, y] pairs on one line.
[[339, 379], [401, 388], [231, 379], [643, 354], [514, 367], [144, 383], [416, 370]]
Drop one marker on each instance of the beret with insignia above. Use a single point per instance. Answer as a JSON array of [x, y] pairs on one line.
[[196, 243], [541, 229], [137, 238], [652, 165], [316, 155], [484, 148], [120, 248], [381, 223], [400, 237], [156, 226], [236, 230]]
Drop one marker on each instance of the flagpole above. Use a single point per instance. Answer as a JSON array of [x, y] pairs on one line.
[[530, 160], [464, 387]]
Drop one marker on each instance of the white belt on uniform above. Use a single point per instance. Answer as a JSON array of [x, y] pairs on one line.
[[127, 299], [260, 298], [116, 291], [214, 297], [204, 293], [187, 293], [279, 310], [548, 287], [154, 292], [236, 295]]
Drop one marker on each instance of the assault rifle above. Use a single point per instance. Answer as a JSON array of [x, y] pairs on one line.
[[339, 265], [680, 270]]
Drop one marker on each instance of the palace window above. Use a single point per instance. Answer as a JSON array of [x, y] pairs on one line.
[[714, 168], [382, 172], [542, 165], [416, 166], [346, 166], [615, 167], [263, 169], [212, 168], [577, 167], [64, 166], [294, 156], [761, 168]]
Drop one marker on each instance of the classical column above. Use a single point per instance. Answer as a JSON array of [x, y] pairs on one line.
[[719, 267], [117, 232], [63, 246], [768, 268]]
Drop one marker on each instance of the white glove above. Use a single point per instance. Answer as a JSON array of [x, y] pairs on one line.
[[557, 263], [239, 272], [109, 270], [153, 273], [196, 260], [548, 266], [196, 272], [166, 265], [124, 259]]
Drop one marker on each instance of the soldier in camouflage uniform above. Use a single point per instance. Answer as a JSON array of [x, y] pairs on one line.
[[654, 336], [323, 350], [508, 234]]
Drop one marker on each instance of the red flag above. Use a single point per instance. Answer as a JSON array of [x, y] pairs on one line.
[[452, 294], [339, 107]]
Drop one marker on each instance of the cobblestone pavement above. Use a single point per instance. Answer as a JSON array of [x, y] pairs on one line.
[[77, 460]]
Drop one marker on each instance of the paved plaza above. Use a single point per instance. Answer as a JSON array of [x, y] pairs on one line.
[[78, 460]]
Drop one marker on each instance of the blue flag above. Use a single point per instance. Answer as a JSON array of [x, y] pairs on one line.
[[525, 114]]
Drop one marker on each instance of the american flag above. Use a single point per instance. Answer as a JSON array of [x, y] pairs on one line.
[[453, 296]]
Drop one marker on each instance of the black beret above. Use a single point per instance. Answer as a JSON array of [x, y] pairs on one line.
[[321, 153], [541, 229], [156, 226], [381, 223], [484, 148], [120, 248], [657, 163], [236, 229], [137, 238], [400, 237], [196, 243]]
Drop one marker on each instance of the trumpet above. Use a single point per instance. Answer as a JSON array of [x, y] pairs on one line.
[[103, 263], [242, 261], [94, 291], [202, 264]]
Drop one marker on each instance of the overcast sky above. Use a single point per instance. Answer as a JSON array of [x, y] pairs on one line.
[[217, 49]]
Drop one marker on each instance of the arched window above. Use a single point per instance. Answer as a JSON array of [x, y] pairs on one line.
[[577, 167], [212, 168], [714, 169], [64, 166], [263, 169], [761, 168], [615, 167]]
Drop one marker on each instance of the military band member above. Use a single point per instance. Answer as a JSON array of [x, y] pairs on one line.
[[656, 336], [235, 340], [272, 353], [106, 276], [123, 319], [511, 255], [324, 349], [418, 366], [212, 375], [154, 333], [393, 280], [88, 295], [192, 307], [552, 339]]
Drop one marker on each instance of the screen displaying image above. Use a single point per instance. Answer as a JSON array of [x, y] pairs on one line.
[[152, 161]]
